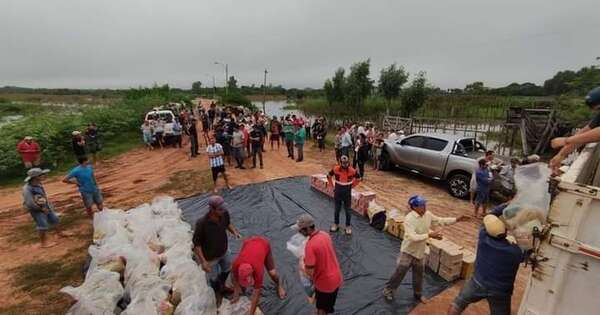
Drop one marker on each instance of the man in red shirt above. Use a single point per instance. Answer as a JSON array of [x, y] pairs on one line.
[[321, 264], [248, 270], [30, 152]]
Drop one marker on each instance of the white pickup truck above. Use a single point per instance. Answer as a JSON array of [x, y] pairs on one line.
[[565, 278]]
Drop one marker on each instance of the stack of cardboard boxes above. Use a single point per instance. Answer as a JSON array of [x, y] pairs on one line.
[[360, 200], [449, 260]]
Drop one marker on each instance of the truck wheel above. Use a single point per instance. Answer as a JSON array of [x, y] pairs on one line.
[[384, 164], [458, 185]]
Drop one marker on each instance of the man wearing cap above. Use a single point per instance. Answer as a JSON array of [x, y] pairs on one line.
[[417, 230], [211, 244], [30, 152], [248, 270], [36, 202], [496, 267], [346, 178], [83, 176], [589, 133], [320, 264]]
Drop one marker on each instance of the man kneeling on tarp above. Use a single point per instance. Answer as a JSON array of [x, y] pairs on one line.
[[248, 270], [417, 226]]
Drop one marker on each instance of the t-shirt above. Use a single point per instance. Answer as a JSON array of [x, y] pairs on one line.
[[320, 254], [85, 178], [212, 236], [300, 136], [254, 252], [497, 263], [29, 151], [215, 161], [146, 129], [483, 178], [237, 139], [595, 121], [78, 148], [256, 134]]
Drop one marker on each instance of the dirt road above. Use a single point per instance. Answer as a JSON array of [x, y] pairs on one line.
[[30, 277]]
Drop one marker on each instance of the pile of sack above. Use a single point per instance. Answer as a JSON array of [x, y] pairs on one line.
[[141, 263]]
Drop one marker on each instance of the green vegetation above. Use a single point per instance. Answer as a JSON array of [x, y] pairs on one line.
[[118, 123]]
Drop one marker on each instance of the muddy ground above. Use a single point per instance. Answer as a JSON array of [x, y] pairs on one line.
[[30, 277]]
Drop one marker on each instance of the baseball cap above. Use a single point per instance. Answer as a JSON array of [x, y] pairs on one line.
[[245, 275], [304, 221], [216, 201], [493, 225], [35, 172], [76, 133], [28, 138], [417, 201]]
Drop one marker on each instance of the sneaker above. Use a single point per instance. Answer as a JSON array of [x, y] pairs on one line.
[[388, 294], [334, 228], [348, 230]]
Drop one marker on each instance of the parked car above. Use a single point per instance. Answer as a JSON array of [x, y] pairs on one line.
[[444, 157]]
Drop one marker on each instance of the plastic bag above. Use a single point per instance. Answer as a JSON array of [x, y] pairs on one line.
[[106, 223], [165, 206], [99, 294], [296, 244], [240, 308], [530, 206], [198, 305]]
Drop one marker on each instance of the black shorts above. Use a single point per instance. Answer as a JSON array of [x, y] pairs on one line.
[[216, 171], [326, 301], [275, 137]]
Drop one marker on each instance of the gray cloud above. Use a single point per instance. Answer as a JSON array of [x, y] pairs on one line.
[[125, 43]]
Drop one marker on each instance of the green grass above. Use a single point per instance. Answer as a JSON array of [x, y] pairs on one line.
[[26, 234], [118, 145], [188, 182]]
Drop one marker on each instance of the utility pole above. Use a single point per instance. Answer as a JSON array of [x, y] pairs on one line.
[[214, 87], [226, 75], [265, 93]]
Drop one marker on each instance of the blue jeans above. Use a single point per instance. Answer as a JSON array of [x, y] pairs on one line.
[[90, 199], [44, 221], [473, 292]]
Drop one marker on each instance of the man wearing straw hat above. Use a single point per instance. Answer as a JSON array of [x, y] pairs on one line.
[[36, 202]]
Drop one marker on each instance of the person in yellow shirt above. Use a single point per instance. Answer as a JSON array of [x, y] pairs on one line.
[[417, 230]]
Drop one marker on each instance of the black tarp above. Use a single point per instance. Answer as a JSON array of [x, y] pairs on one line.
[[367, 258]]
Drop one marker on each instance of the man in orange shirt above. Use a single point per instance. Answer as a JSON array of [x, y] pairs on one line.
[[346, 177], [321, 264]]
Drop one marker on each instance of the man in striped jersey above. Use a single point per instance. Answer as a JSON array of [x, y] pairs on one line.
[[217, 164]]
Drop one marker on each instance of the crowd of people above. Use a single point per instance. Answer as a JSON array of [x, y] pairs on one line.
[[234, 133]]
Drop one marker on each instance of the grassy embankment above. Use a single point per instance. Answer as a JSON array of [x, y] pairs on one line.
[[51, 125]]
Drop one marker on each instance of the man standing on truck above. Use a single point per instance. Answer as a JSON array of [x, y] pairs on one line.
[[589, 133], [345, 177], [417, 230], [496, 268]]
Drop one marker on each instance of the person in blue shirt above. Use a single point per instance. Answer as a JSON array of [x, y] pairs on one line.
[[496, 268], [83, 176], [482, 193]]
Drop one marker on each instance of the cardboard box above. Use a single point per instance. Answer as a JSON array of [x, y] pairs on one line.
[[450, 254], [450, 273], [395, 226], [435, 246], [468, 264], [433, 261]]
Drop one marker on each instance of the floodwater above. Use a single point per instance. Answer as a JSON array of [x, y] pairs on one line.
[[276, 108], [8, 119]]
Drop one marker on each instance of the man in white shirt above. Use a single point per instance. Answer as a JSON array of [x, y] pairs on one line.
[[217, 164], [417, 230], [346, 142]]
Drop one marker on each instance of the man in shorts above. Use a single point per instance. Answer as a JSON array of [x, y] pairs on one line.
[[83, 176], [217, 163], [275, 132], [36, 202], [211, 245], [321, 264], [256, 139], [248, 270]]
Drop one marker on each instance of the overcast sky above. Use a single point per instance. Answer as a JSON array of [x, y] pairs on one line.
[[127, 43]]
